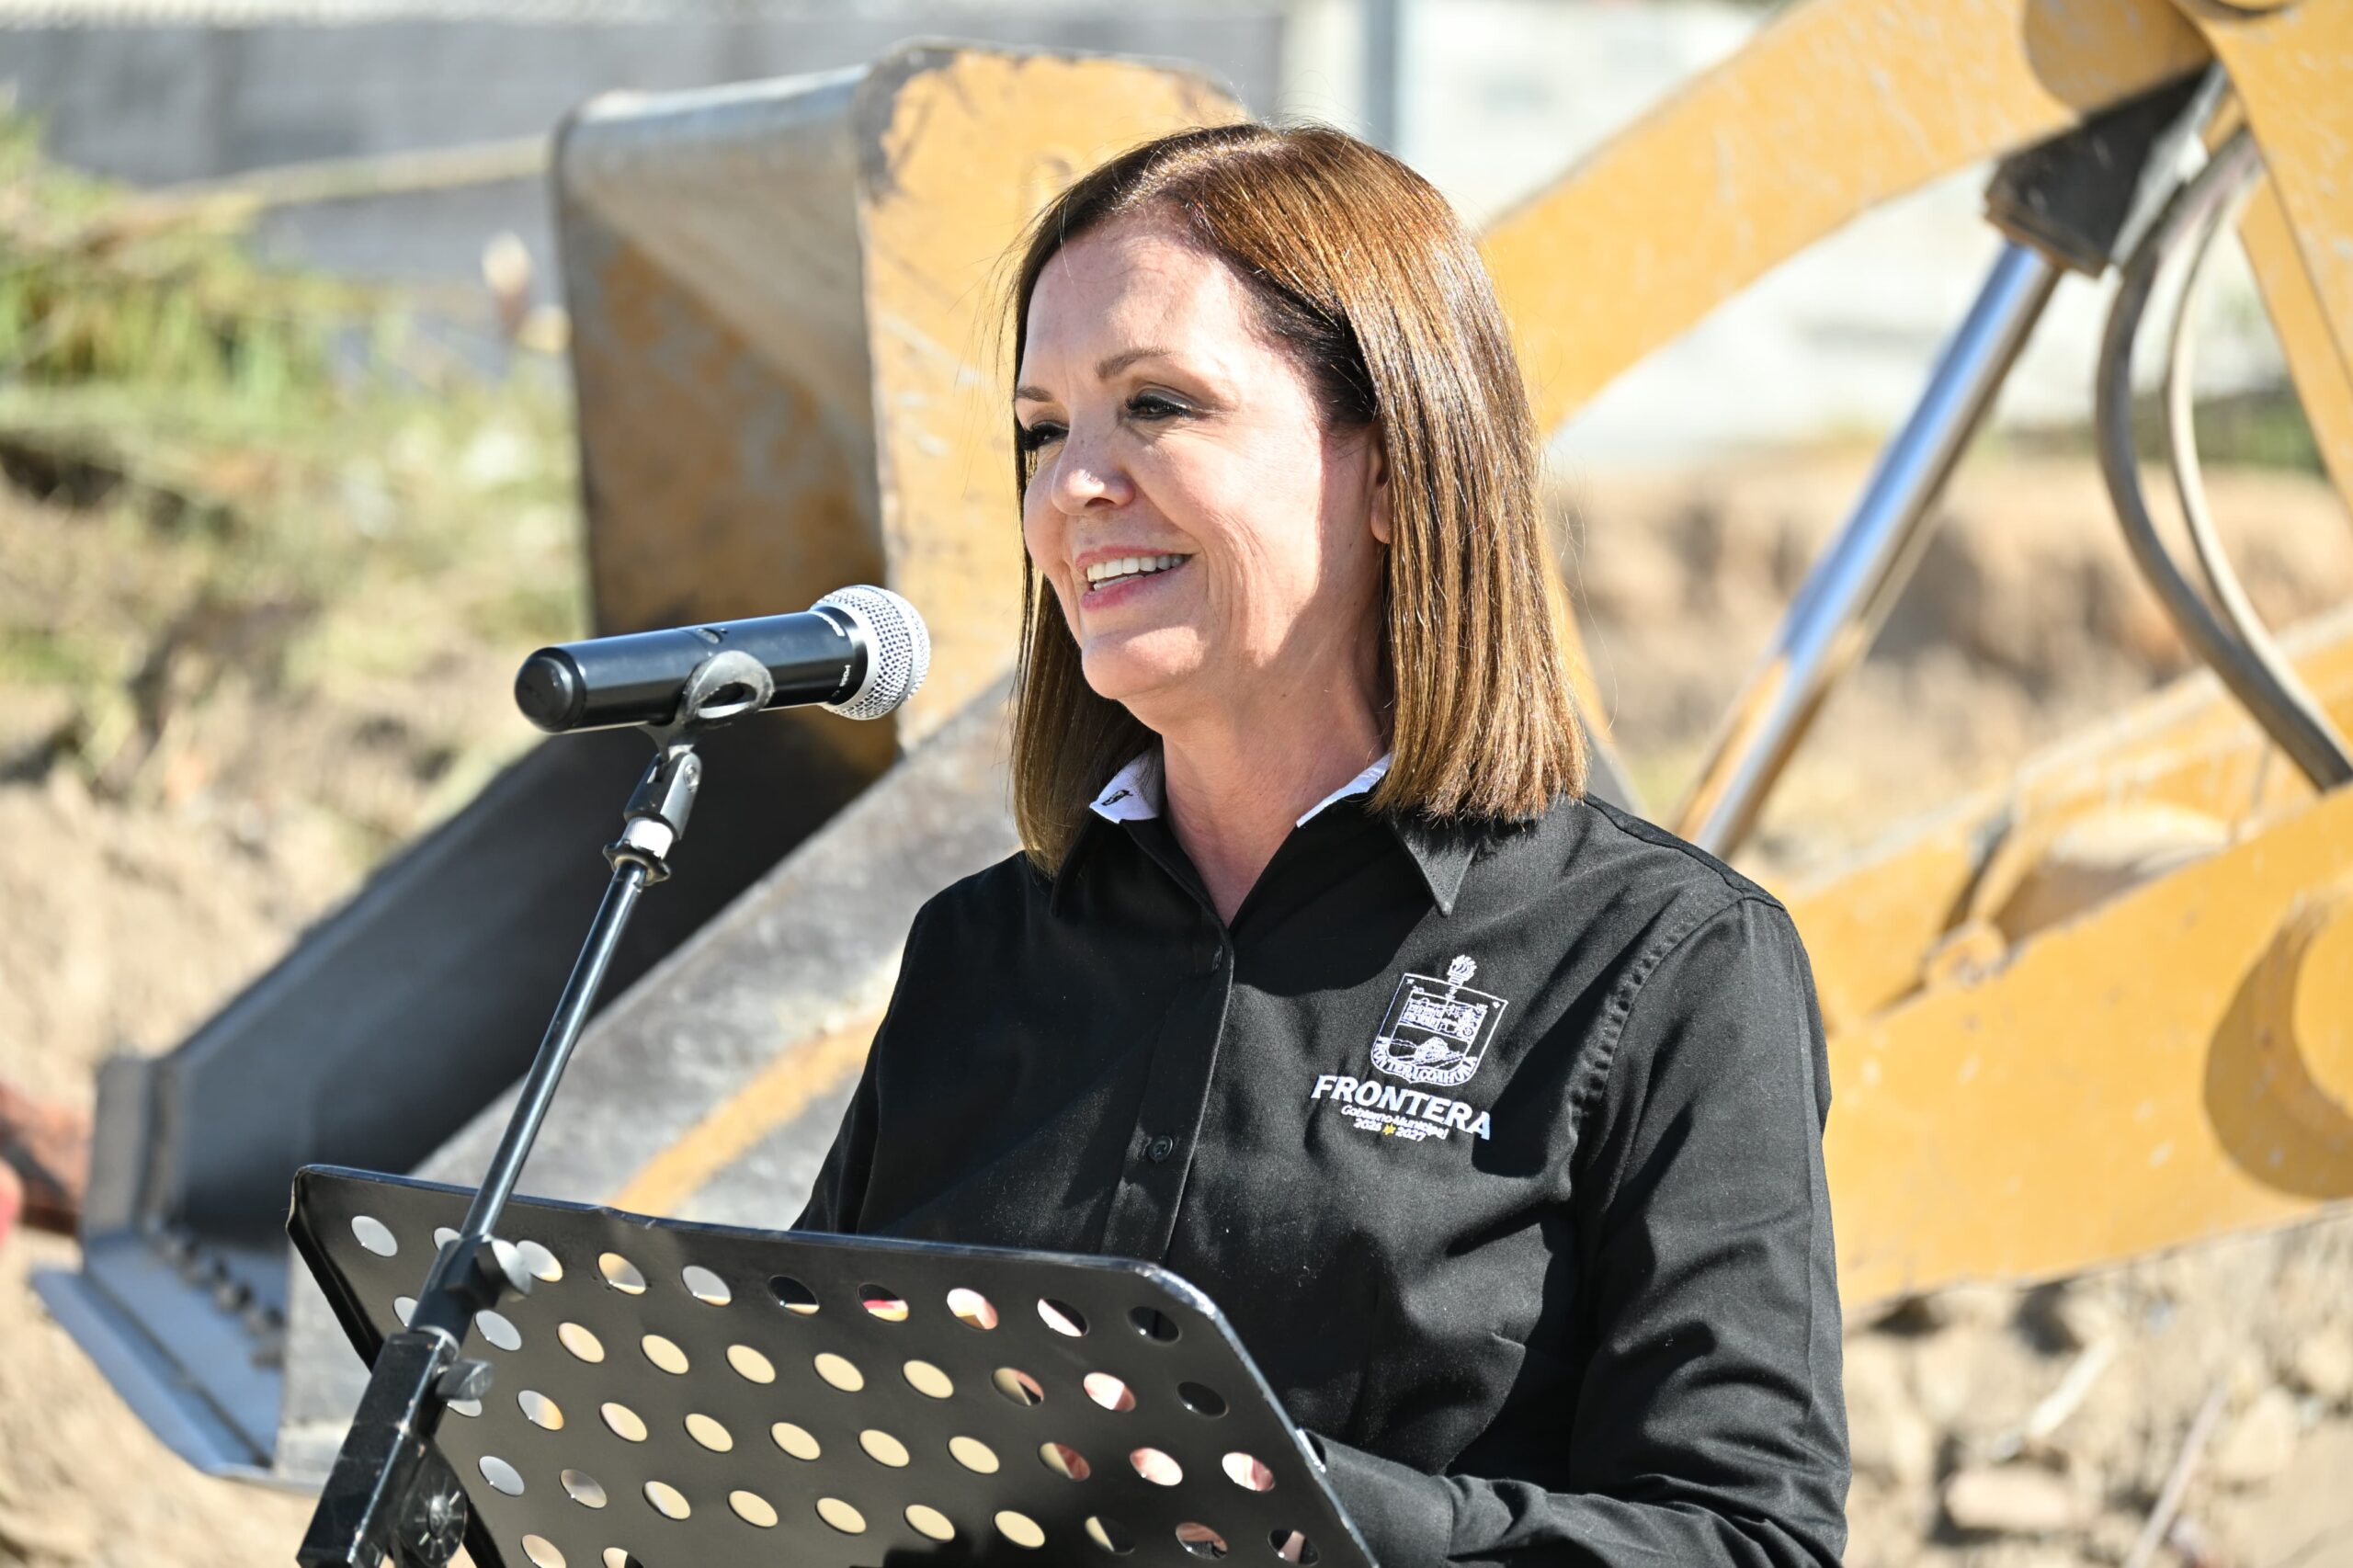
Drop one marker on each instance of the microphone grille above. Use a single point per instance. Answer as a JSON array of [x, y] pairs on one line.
[[898, 650]]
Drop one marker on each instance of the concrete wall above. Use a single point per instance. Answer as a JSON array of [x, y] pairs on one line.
[[154, 97], [1498, 96]]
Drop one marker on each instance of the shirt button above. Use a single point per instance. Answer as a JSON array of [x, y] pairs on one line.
[[1160, 1149]]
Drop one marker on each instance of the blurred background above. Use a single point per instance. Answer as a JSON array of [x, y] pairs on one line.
[[290, 481]]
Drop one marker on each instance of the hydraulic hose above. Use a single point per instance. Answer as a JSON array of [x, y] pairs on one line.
[[2243, 653]]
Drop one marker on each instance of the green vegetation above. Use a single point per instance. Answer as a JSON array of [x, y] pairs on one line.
[[2263, 428], [230, 494]]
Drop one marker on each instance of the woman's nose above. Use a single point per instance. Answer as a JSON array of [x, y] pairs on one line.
[[1085, 479]]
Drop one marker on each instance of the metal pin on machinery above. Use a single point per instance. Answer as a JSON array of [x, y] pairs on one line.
[[2070, 202]]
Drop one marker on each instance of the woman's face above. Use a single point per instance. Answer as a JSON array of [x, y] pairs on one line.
[[1210, 541]]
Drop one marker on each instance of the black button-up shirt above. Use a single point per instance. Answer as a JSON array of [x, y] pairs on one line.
[[1500, 1148]]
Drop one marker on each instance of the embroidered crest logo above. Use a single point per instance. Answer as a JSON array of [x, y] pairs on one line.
[[1437, 1030]]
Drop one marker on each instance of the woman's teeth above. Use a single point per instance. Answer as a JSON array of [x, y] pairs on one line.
[[1120, 571]]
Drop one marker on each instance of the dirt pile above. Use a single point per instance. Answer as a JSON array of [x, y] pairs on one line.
[[2024, 623], [2032, 1429]]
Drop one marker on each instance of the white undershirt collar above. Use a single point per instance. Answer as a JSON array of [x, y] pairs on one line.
[[1137, 794]]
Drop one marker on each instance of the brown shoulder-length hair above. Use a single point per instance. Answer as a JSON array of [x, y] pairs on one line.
[[1362, 272]]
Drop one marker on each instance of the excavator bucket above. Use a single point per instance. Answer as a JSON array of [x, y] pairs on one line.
[[783, 297]]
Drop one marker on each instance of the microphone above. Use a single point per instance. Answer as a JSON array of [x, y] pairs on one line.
[[857, 651]]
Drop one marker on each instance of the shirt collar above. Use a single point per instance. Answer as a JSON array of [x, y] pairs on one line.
[[1441, 852], [1136, 794]]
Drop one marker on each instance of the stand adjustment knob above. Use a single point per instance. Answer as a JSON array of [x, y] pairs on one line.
[[464, 1380]]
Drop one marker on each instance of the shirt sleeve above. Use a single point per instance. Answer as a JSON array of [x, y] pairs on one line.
[[839, 1195], [840, 1189], [1710, 1425]]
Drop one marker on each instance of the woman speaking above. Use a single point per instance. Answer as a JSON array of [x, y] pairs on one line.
[[1490, 1115]]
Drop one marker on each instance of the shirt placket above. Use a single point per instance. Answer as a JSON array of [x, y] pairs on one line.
[[1141, 1218]]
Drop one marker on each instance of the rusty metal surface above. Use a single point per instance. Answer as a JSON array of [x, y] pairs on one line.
[[957, 149], [1834, 106], [784, 297], [1873, 928], [2151, 1059], [713, 270], [2148, 1077]]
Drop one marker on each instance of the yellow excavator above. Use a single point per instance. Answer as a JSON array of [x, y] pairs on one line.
[[2102, 1008]]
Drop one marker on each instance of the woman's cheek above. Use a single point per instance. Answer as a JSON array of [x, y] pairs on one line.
[[1039, 541]]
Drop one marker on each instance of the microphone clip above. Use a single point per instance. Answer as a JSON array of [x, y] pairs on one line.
[[727, 685]]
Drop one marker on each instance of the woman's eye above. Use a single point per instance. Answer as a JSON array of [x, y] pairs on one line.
[[1152, 405], [1044, 433]]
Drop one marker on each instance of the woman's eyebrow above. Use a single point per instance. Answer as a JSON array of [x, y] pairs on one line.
[[1105, 368], [1112, 364]]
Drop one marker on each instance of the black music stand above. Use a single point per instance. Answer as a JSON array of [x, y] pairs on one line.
[[675, 1395]]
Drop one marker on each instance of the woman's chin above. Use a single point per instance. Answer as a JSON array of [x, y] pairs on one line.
[[1133, 677]]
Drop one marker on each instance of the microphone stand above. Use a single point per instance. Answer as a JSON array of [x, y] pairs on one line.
[[389, 1494]]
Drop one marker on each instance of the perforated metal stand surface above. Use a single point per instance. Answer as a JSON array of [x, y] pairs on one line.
[[673, 1395]]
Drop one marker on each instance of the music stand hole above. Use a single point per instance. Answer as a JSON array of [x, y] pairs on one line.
[[709, 1432], [580, 1342], [795, 1441], [442, 1236], [930, 1522], [1062, 1317], [1200, 1540], [583, 1488], [1111, 1535], [1159, 1468], [622, 1422], [973, 1455], [1201, 1399], [884, 1302], [838, 1370], [664, 1354], [750, 1364], [753, 1508], [502, 1475], [494, 1327], [794, 1297], [705, 1285], [374, 1234], [971, 1309], [1017, 1386], [469, 1408], [668, 1500], [542, 1552], [1293, 1547], [1246, 1472], [540, 1263], [616, 1558], [841, 1516], [540, 1410], [1154, 1325], [929, 1380], [403, 1308], [1064, 1461], [1109, 1392], [884, 1448], [620, 1274], [1020, 1529]]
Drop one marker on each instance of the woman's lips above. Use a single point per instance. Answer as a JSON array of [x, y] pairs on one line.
[[1112, 595]]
